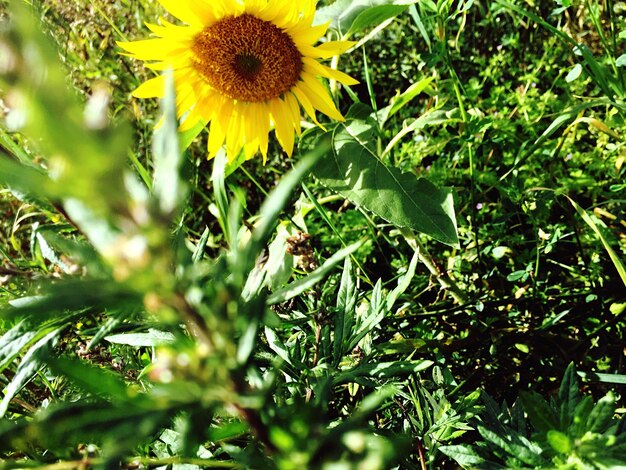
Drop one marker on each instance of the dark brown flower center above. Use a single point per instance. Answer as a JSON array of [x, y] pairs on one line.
[[246, 58]]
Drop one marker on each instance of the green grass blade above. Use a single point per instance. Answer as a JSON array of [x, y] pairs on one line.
[[617, 262]]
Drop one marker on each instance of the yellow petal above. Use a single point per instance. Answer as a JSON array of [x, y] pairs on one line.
[[191, 119], [250, 150], [308, 34], [326, 50], [220, 121], [255, 7], [151, 49], [305, 103], [199, 112], [231, 7], [256, 119], [294, 111], [283, 125], [264, 128], [185, 100], [319, 97], [182, 11], [171, 31], [279, 13], [251, 118], [177, 62], [313, 67], [153, 88], [336, 47], [234, 134], [216, 138], [339, 76]]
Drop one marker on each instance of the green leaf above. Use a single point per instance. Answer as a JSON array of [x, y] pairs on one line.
[[273, 204], [248, 339], [617, 262], [107, 327], [464, 455], [516, 445], [278, 267], [30, 364], [186, 138], [433, 117], [198, 252], [77, 249], [102, 234], [301, 285], [375, 15], [353, 171], [581, 414], [26, 179], [354, 15], [400, 101], [27, 332], [344, 315], [607, 378], [276, 345], [574, 73], [92, 379], [7, 144], [47, 252], [370, 319], [373, 401], [13, 341], [73, 295], [559, 441], [569, 396], [118, 428], [227, 430], [541, 415], [218, 176], [602, 414], [382, 370], [404, 282]]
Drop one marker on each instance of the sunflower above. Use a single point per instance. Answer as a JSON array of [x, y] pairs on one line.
[[242, 66]]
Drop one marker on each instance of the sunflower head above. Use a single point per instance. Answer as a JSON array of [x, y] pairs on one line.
[[243, 67]]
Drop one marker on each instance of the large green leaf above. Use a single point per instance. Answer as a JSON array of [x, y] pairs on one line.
[[464, 455], [353, 170], [349, 16]]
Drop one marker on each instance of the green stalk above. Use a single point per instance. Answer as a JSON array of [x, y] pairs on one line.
[[427, 260]]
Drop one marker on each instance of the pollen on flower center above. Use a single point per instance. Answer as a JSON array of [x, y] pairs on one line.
[[246, 58]]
